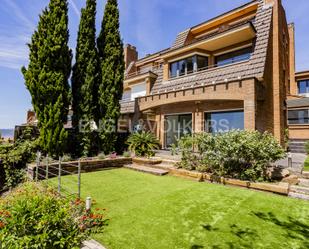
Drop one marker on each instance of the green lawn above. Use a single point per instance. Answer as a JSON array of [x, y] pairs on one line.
[[151, 212], [306, 166]]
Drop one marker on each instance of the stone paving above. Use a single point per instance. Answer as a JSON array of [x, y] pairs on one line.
[[298, 161], [92, 244]]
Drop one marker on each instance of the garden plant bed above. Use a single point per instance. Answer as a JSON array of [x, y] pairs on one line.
[[147, 211], [282, 189]]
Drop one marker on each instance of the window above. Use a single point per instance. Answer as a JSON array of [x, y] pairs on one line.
[[173, 69], [217, 122], [188, 65], [182, 67], [202, 62], [303, 86], [138, 91], [236, 56], [126, 96], [300, 116]]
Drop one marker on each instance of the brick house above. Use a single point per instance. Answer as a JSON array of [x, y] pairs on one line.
[[230, 72]]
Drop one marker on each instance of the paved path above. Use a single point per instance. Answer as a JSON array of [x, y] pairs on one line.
[[92, 244], [298, 161]]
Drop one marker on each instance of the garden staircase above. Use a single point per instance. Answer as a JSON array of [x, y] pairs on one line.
[[301, 190], [297, 145], [158, 166]]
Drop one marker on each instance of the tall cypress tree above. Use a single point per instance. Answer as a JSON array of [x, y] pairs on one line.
[[47, 75], [111, 54], [85, 77]]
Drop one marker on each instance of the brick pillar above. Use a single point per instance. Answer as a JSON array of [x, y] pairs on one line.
[[250, 105], [293, 85], [161, 131], [130, 54], [197, 120], [165, 71]]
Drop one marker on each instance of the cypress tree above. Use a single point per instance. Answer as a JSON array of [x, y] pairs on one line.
[[85, 77], [47, 75], [110, 90]]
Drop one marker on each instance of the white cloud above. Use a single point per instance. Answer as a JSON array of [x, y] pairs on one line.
[[75, 8], [13, 51], [18, 13]]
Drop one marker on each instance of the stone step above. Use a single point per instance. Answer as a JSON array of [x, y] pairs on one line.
[[299, 189], [298, 140], [147, 169], [303, 182], [296, 150], [162, 166], [299, 196], [296, 146], [169, 161], [92, 244], [305, 174]]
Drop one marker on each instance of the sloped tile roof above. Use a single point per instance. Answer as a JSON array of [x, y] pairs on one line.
[[181, 39], [254, 67]]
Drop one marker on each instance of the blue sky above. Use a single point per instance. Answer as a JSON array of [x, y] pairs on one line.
[[149, 25]]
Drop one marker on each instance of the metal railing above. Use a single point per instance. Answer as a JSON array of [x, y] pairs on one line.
[[44, 171]]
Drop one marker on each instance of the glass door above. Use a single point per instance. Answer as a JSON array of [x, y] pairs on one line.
[[177, 126]]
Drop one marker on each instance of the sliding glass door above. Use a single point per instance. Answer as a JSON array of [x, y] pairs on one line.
[[177, 126]]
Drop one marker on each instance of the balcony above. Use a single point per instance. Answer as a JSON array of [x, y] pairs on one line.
[[224, 37], [127, 106]]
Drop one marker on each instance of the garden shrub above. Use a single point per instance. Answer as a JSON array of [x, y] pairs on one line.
[[14, 157], [237, 154], [126, 154], [102, 156], [143, 143], [34, 216]]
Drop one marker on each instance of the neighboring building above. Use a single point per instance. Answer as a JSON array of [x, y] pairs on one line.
[[235, 68], [297, 102], [298, 112]]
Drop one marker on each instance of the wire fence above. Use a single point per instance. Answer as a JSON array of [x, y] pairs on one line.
[[65, 177]]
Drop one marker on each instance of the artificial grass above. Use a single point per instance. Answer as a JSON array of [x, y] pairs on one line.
[[151, 212], [306, 166]]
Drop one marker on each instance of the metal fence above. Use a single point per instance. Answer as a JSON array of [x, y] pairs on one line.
[[48, 172]]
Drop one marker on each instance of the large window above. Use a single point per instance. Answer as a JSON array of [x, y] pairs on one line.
[[177, 126], [217, 122], [303, 86], [138, 91], [188, 65], [300, 116], [236, 56]]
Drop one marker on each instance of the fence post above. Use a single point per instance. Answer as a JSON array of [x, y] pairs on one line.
[[79, 178], [37, 166], [59, 176], [47, 166]]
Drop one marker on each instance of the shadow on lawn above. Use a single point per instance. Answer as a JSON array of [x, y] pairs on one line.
[[245, 237], [295, 229]]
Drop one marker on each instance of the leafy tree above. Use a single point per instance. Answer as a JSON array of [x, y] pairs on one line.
[[85, 77], [47, 75], [110, 90]]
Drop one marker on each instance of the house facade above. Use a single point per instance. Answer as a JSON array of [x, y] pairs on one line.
[[234, 71]]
